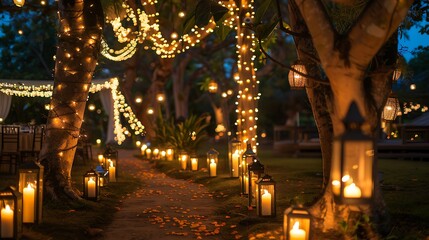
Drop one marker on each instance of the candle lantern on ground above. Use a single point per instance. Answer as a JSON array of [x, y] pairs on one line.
[[169, 154], [155, 154], [31, 188], [103, 176], [10, 213], [91, 186], [255, 171], [246, 159], [212, 154], [194, 162], [111, 163], [163, 155], [183, 159], [234, 157], [143, 150], [297, 224], [148, 153], [266, 196], [352, 162]]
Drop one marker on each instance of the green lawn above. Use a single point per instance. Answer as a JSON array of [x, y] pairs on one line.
[[405, 188]]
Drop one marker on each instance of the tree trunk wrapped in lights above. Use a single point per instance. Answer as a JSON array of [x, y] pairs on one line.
[[247, 83], [79, 38]]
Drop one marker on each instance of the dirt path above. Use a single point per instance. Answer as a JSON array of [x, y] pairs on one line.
[[164, 208]]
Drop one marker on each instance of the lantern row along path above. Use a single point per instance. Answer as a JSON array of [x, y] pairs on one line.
[[165, 208]]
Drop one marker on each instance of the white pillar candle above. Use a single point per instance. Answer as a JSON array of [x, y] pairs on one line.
[[352, 191], [100, 158], [155, 153], [170, 154], [235, 160], [194, 164], [163, 154], [296, 233], [28, 204], [213, 168], [336, 187], [6, 222], [112, 172], [91, 188], [266, 203], [148, 153], [183, 162]]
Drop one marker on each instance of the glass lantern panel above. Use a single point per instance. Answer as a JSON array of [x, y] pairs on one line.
[[299, 227], [194, 163], [7, 219], [234, 164], [90, 186], [357, 169], [266, 201], [252, 193]]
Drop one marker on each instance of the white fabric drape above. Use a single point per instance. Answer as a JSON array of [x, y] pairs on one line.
[[5, 102], [107, 102]]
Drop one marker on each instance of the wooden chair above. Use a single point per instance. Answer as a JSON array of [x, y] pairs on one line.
[[10, 154], [38, 137]]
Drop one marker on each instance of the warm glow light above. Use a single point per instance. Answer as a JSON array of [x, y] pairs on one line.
[[413, 86], [138, 99], [150, 111], [91, 107], [19, 3]]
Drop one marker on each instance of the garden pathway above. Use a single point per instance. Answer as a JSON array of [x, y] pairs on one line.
[[164, 208]]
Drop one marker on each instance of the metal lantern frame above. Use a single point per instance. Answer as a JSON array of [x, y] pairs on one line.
[[266, 186], [297, 221], [30, 185], [246, 159], [296, 79], [10, 201], [254, 171], [234, 157], [91, 175], [352, 170]]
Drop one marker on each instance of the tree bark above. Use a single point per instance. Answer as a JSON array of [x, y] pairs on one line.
[[79, 40]]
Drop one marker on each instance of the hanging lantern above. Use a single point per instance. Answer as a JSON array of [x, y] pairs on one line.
[[103, 176], [213, 86], [297, 224], [352, 162], [31, 188], [183, 158], [396, 74], [391, 109], [91, 186], [234, 157], [194, 162], [246, 159], [296, 78], [255, 171], [266, 196], [169, 154], [19, 3], [10, 213]]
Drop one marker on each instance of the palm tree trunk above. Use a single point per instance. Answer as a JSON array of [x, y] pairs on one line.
[[79, 37]]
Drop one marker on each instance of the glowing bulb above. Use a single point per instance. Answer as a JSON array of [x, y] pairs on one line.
[[91, 107], [174, 35], [182, 14]]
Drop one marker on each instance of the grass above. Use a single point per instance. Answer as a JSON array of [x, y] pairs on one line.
[[78, 220], [405, 189]]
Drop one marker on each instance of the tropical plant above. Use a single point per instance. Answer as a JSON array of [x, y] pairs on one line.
[[182, 135]]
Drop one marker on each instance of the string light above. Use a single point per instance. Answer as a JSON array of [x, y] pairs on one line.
[[119, 104]]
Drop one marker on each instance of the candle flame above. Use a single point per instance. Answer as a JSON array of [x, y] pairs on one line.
[[345, 178], [7, 207], [296, 225], [29, 185], [212, 160], [336, 183]]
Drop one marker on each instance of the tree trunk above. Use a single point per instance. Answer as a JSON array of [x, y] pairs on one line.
[[79, 39], [345, 59], [181, 88]]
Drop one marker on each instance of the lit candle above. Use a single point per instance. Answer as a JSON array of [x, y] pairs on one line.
[[100, 158], [336, 187], [143, 149], [91, 187], [235, 159], [148, 152], [352, 191], [28, 204], [6, 222], [163, 154], [212, 168], [112, 172], [194, 164], [296, 233], [155, 153], [266, 203]]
